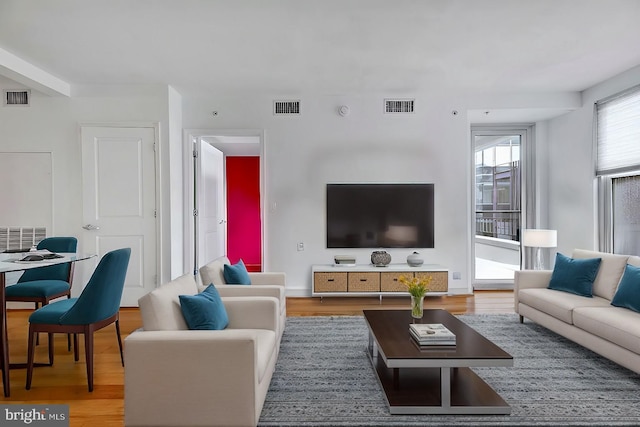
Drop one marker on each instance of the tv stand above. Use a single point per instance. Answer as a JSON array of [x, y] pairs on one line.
[[369, 280]]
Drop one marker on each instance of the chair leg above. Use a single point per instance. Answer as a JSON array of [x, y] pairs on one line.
[[76, 355], [119, 341], [88, 349], [50, 349], [69, 335], [30, 354], [37, 335]]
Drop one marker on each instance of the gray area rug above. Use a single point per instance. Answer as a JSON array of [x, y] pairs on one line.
[[324, 378]]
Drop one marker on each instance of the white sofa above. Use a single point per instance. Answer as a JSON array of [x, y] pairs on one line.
[[180, 377], [271, 284], [594, 323]]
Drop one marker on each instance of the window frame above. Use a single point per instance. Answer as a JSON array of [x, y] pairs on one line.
[[528, 166], [605, 177]]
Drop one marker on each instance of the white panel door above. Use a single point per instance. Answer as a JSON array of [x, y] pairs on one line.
[[210, 230], [119, 202]]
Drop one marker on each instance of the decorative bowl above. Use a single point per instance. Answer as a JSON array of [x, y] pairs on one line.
[[380, 258]]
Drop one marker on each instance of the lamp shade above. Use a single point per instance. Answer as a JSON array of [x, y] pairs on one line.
[[540, 238]]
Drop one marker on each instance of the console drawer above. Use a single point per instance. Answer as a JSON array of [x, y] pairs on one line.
[[329, 282], [364, 282], [439, 280], [389, 282]]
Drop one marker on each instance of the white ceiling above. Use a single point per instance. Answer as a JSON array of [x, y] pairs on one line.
[[327, 46]]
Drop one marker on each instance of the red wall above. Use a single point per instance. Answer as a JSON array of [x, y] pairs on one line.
[[243, 211]]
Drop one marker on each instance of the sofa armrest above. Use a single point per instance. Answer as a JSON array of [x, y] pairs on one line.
[[532, 279], [268, 278], [274, 291], [252, 312], [527, 279], [165, 370]]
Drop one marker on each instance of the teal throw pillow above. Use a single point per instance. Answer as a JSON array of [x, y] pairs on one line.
[[204, 311], [575, 276], [628, 293], [236, 274]]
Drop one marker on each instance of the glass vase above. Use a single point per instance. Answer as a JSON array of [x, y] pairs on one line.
[[417, 307]]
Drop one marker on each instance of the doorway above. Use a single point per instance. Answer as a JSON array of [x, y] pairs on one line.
[[244, 224], [240, 149], [497, 206]]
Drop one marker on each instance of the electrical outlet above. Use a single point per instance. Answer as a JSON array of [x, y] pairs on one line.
[[300, 246], [457, 275]]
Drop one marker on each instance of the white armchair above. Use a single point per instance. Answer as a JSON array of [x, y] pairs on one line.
[[180, 377], [271, 284]]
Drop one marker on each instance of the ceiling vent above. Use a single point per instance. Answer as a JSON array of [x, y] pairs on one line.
[[286, 107], [15, 98], [398, 106]]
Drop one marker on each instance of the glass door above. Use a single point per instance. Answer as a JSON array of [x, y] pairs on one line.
[[498, 219]]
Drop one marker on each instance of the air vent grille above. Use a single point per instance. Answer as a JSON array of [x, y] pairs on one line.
[[21, 237], [399, 106], [17, 97], [286, 107]]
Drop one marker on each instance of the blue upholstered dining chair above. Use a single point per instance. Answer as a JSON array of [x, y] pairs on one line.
[[41, 285], [97, 306]]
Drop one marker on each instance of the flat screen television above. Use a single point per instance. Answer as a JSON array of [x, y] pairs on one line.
[[380, 216]]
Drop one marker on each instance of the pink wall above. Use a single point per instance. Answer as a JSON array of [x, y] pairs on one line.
[[243, 211]]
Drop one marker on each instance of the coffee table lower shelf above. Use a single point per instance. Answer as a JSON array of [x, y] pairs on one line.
[[420, 391]]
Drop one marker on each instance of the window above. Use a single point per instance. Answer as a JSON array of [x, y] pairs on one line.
[[498, 186], [618, 171], [626, 215]]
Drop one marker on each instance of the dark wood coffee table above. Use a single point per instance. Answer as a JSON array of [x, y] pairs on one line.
[[433, 380]]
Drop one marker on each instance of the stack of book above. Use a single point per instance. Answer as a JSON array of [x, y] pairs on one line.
[[431, 334]]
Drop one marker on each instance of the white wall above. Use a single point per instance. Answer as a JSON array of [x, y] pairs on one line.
[[176, 184], [305, 153], [572, 196], [302, 155], [51, 124]]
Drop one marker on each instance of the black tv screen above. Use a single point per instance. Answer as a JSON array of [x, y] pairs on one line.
[[380, 216]]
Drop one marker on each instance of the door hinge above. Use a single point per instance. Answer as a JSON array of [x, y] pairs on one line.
[[195, 153], [155, 213], [154, 147], [195, 212]]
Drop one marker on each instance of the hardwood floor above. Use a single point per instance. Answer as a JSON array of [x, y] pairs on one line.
[[480, 302], [65, 382]]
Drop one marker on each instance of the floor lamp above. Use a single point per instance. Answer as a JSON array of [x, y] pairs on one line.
[[539, 239]]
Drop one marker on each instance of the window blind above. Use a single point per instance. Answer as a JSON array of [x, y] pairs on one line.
[[618, 133]]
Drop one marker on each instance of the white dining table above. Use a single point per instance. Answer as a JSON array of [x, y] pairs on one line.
[[8, 264]]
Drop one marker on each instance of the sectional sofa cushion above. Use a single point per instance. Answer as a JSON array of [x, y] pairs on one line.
[[628, 293], [614, 324], [574, 275], [160, 309], [236, 274], [558, 304], [204, 311], [611, 269]]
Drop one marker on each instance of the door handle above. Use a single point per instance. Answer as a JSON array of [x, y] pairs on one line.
[[91, 227]]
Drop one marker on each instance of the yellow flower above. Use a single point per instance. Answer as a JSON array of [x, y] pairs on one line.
[[416, 286]]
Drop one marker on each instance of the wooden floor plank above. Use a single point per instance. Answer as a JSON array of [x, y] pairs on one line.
[[66, 383]]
